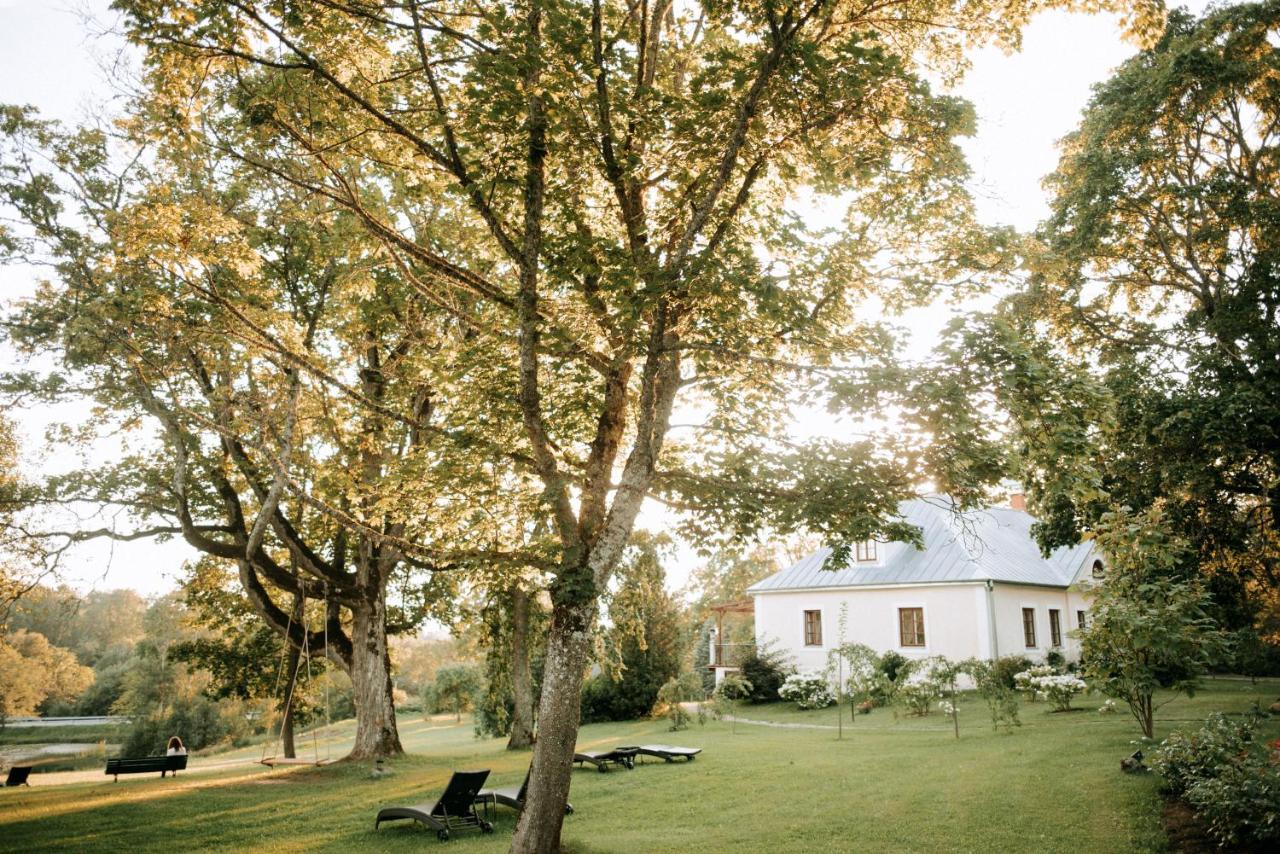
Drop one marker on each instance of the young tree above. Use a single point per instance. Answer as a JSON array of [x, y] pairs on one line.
[[1147, 630]]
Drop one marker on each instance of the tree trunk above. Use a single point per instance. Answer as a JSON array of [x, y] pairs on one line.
[[521, 678], [376, 733], [289, 702], [568, 647]]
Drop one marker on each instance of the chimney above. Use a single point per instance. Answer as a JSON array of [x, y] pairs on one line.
[[1018, 501]]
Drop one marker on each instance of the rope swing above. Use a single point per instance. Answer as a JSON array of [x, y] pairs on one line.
[[276, 745]]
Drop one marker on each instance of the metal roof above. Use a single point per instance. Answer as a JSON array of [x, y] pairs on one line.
[[992, 544]]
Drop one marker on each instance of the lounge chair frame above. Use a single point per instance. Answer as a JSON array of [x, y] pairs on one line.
[[512, 797], [18, 775], [602, 759], [667, 752], [453, 810]]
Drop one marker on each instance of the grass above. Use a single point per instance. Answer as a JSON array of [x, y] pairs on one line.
[[889, 785]]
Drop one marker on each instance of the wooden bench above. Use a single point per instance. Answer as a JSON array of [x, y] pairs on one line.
[[146, 765]]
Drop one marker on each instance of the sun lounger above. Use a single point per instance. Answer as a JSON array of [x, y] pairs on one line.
[[512, 797], [454, 810], [18, 775], [602, 759], [668, 752]]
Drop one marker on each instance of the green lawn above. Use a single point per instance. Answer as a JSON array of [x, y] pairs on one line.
[[904, 785]]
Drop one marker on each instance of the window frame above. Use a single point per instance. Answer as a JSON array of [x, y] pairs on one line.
[[809, 637], [1081, 623], [1098, 571], [1029, 635], [919, 632], [1055, 628], [866, 551]]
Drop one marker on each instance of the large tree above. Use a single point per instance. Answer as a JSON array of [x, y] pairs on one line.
[[288, 385], [1140, 365]]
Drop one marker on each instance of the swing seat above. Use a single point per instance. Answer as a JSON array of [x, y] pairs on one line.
[[273, 761]]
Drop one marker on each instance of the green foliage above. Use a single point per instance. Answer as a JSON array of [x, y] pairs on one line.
[[1230, 778], [1147, 630], [454, 689], [1006, 668], [764, 668], [642, 647], [994, 685], [675, 693]]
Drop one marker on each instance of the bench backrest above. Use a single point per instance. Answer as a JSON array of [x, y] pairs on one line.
[[146, 763]]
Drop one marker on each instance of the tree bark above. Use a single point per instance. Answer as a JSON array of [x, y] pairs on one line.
[[376, 733], [521, 678], [286, 722], [568, 648]]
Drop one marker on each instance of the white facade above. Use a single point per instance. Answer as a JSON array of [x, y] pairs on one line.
[[960, 620], [979, 589]]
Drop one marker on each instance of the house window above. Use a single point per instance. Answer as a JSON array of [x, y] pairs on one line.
[[1099, 570], [865, 551], [911, 626], [1055, 627], [1079, 619], [813, 628], [1029, 627]]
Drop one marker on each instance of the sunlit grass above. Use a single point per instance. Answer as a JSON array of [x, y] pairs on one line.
[[889, 785]]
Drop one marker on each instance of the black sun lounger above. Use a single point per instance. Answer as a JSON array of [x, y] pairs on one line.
[[455, 810], [602, 759], [666, 751], [513, 797], [18, 775]]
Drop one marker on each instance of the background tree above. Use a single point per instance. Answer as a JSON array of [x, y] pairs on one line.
[[1141, 364], [641, 650], [455, 687], [32, 670]]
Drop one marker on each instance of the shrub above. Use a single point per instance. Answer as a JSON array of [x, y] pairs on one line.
[[674, 692], [1055, 659], [1059, 689], [1240, 804], [808, 690], [1228, 777], [893, 665], [1025, 681], [1182, 759], [1006, 668], [764, 669], [999, 694]]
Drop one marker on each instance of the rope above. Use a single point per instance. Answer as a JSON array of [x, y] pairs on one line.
[[275, 689]]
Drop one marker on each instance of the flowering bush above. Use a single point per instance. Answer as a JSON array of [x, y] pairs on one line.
[[1023, 680], [807, 690], [948, 708], [1059, 689], [1107, 708]]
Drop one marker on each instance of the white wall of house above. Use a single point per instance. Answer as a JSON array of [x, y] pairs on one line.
[[955, 617], [956, 620], [1011, 599]]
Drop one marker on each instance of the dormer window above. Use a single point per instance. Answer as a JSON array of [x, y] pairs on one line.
[[1099, 571], [865, 551]]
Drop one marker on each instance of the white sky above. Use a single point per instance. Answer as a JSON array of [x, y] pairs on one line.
[[51, 58]]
